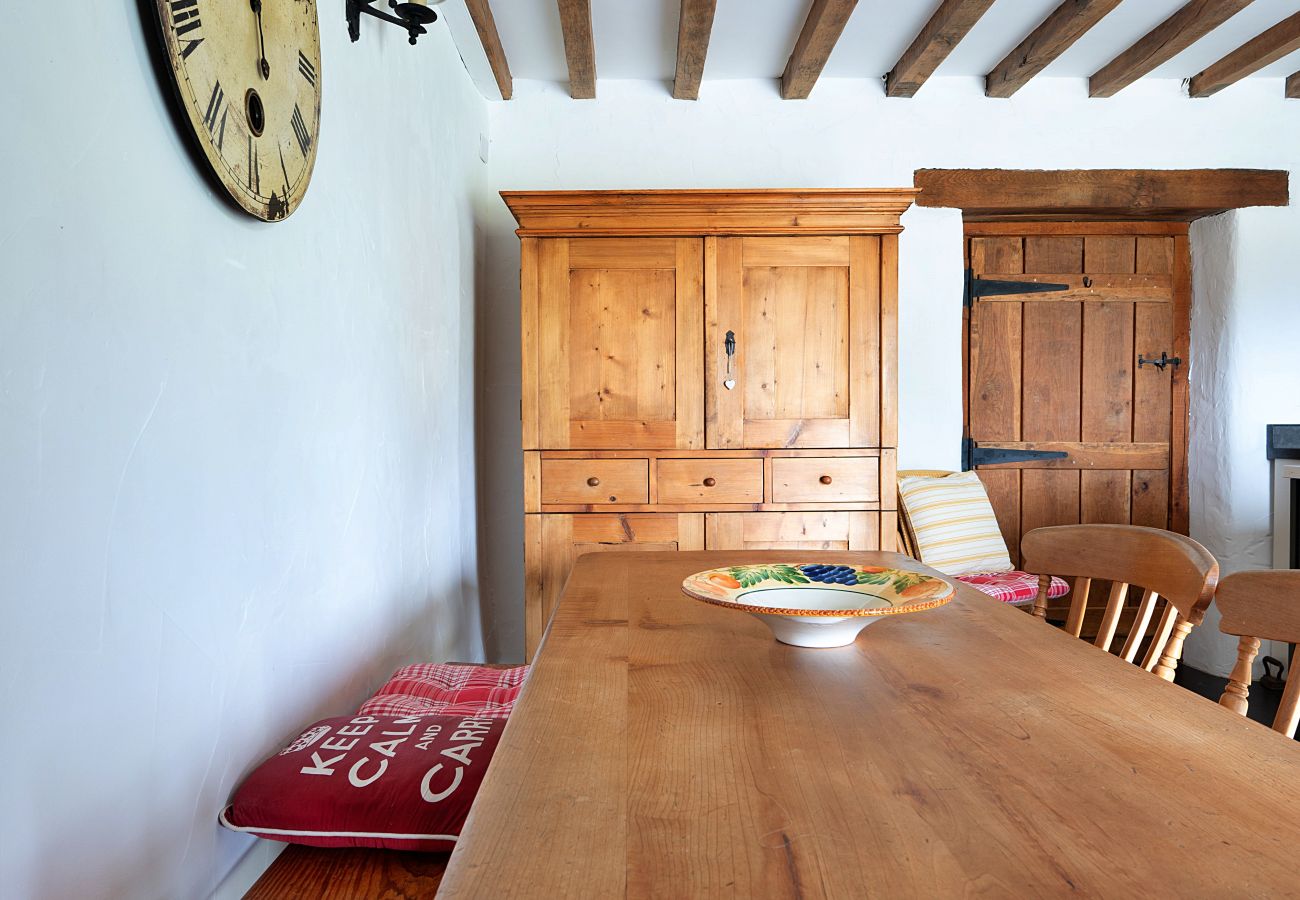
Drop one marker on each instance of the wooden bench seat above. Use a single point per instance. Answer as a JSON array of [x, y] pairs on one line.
[[353, 873], [349, 873]]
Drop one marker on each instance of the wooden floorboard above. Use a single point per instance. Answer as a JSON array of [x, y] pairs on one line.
[[349, 873]]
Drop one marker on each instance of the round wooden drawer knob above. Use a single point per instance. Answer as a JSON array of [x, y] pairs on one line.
[[825, 479], [593, 481], [710, 482]]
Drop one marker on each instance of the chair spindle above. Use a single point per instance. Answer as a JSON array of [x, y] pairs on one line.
[[1236, 695]]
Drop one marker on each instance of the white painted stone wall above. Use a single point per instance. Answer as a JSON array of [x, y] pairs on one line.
[[741, 134], [1245, 374], [236, 459]]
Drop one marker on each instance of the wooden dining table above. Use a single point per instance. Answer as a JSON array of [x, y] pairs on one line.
[[665, 747]]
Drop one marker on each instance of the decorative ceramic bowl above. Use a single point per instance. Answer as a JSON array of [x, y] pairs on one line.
[[818, 605]]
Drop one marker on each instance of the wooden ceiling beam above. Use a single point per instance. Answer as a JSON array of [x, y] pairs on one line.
[[1089, 194], [486, 26], [1293, 86], [1067, 23], [694, 26], [579, 48], [822, 28], [949, 24], [1172, 36], [1255, 54]]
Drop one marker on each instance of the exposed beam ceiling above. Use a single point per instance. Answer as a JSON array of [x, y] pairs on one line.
[[1152, 194], [1067, 23], [679, 43], [1280, 40], [822, 28], [694, 25], [1293, 86], [486, 27], [1172, 36], [949, 24], [579, 48]]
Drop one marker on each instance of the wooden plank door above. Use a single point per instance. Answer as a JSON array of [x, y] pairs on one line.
[[612, 331], [809, 315], [555, 541], [1059, 371]]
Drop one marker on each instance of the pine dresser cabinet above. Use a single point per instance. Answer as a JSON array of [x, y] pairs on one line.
[[705, 370]]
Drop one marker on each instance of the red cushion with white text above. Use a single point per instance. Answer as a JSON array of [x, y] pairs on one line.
[[401, 782]]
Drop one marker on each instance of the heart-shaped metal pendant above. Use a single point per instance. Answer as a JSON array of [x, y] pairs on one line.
[[729, 383]]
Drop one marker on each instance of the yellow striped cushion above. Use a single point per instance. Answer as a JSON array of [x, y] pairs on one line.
[[952, 523]]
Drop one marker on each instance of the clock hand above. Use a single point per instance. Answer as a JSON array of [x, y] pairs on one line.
[[261, 40]]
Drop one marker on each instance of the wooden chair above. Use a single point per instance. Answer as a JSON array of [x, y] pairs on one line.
[[1164, 564], [1258, 605]]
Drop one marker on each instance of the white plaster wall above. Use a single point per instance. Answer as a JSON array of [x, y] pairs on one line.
[[236, 459], [1246, 374], [741, 134]]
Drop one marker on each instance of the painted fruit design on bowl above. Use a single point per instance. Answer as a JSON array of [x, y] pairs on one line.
[[818, 604]]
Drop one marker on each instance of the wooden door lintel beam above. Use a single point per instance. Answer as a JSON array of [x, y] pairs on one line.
[[1075, 194]]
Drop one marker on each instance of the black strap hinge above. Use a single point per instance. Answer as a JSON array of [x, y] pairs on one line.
[[989, 287]]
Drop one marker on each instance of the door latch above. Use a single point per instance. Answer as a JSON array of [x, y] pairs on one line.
[[1164, 360], [730, 346]]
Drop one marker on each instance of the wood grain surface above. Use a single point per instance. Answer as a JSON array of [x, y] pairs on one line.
[[665, 747], [951, 22], [480, 12], [349, 873], [1080, 194], [694, 27], [1270, 46], [1059, 371], [1162, 43], [821, 31], [579, 48], [1057, 33]]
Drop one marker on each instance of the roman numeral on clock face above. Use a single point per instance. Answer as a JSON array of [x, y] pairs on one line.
[[185, 21], [216, 115], [307, 69], [300, 130], [254, 168]]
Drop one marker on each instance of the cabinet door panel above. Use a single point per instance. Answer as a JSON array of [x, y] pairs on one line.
[[617, 347], [554, 542], [793, 531], [806, 315]]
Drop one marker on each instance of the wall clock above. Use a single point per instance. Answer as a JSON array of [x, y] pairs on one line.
[[248, 76]]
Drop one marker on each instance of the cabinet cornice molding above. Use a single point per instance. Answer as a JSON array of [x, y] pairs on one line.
[[664, 213]]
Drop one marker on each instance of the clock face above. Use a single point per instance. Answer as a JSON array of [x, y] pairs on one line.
[[249, 78]]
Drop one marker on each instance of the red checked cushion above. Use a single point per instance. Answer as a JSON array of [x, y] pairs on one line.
[[1013, 587], [404, 783], [442, 689]]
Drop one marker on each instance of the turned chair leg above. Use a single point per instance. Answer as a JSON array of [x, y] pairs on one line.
[[1040, 600], [1237, 694]]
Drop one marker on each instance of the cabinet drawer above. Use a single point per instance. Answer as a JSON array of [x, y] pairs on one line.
[[709, 480], [595, 481], [834, 479]]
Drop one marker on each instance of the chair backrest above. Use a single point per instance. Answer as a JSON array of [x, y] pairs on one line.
[[1258, 605], [906, 538], [1164, 564]]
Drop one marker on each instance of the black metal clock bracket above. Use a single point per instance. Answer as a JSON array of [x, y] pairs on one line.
[[411, 16]]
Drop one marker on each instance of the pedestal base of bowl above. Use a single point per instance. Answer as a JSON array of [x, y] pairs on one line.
[[815, 632]]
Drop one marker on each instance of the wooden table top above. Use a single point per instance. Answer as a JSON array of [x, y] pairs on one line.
[[665, 747]]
